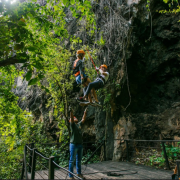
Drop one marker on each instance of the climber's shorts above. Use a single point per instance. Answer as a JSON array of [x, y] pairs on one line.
[[78, 78]]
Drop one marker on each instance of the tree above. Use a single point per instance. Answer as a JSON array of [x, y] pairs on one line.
[[32, 38]]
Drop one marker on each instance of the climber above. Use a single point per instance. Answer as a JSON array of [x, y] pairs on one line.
[[78, 71], [97, 84], [76, 148]]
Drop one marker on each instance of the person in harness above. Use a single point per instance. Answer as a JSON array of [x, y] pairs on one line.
[[97, 84], [78, 71]]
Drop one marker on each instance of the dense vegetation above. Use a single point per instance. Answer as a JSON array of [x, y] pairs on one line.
[[33, 47]]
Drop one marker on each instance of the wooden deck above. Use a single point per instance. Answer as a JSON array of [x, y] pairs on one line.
[[126, 170]]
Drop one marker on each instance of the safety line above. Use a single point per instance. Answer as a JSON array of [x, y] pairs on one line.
[[92, 61]]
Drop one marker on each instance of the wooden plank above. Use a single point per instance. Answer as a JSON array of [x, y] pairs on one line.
[[60, 174], [99, 170], [108, 167], [99, 175], [43, 174], [90, 176], [38, 176], [145, 171]]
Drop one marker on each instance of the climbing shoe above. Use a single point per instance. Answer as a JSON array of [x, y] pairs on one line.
[[80, 99]]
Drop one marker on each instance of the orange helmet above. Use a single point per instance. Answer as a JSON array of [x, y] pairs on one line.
[[104, 66], [80, 52]]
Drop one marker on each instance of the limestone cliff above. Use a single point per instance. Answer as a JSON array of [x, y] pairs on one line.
[[142, 51]]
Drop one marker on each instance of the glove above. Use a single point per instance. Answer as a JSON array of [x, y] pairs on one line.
[[97, 68]]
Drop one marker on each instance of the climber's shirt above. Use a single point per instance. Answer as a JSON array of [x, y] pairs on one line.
[[76, 134]]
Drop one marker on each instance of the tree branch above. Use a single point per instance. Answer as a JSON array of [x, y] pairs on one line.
[[11, 60]]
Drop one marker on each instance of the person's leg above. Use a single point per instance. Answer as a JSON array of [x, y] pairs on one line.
[[94, 94], [84, 90], [78, 79], [89, 95], [92, 85], [73, 151], [87, 82], [89, 98], [79, 158]]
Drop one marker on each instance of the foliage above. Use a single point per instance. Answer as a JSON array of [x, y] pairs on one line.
[[12, 154], [174, 6], [34, 36], [172, 151], [157, 158]]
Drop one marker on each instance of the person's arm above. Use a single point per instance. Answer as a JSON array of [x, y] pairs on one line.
[[72, 117], [81, 69], [84, 116]]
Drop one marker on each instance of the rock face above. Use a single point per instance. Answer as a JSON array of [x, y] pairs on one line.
[[143, 55], [153, 76], [33, 99]]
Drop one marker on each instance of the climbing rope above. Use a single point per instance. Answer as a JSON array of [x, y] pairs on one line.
[[92, 61]]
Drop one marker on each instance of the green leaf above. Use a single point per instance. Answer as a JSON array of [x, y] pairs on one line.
[[28, 75], [17, 47], [72, 2], [65, 2], [38, 65], [56, 8], [33, 81], [31, 48], [41, 76]]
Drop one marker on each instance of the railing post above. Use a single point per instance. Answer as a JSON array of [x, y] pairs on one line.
[[178, 170], [25, 151], [33, 164], [104, 150], [165, 156], [127, 149], [51, 168], [22, 173], [30, 159]]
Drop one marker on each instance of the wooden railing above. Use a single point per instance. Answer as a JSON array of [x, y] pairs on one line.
[[133, 145], [30, 163], [29, 166]]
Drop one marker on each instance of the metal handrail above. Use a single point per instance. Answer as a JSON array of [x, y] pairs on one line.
[[66, 170], [137, 140], [40, 154], [29, 148], [127, 141], [94, 152]]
